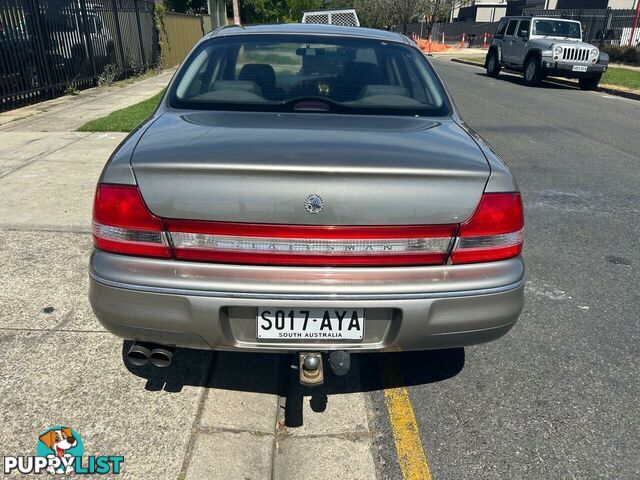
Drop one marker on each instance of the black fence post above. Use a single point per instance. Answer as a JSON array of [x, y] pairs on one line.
[[605, 27], [87, 37], [142, 56], [116, 18], [41, 46]]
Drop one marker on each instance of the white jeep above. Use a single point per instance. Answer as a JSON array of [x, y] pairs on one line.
[[539, 47]]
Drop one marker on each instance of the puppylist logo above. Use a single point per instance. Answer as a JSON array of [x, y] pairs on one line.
[[60, 450]]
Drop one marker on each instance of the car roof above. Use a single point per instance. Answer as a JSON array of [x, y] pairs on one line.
[[539, 18], [310, 29]]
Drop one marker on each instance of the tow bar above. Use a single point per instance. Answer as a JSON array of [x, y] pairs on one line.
[[311, 368]]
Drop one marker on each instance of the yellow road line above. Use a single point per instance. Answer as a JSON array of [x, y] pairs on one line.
[[406, 435]]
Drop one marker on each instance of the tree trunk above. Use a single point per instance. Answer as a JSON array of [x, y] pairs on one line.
[[236, 13]]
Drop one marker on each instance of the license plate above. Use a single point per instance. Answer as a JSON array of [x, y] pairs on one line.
[[301, 324], [579, 68]]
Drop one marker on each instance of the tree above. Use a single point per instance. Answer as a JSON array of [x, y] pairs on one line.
[[273, 11], [406, 10], [236, 12], [375, 13], [186, 6], [388, 13], [438, 11]]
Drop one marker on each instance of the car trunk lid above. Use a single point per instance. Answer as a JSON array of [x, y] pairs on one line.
[[263, 167]]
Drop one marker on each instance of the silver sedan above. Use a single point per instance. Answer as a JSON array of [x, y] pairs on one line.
[[305, 188]]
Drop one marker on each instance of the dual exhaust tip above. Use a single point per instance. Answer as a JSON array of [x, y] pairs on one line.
[[142, 353]]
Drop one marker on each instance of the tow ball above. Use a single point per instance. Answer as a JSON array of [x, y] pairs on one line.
[[311, 368]]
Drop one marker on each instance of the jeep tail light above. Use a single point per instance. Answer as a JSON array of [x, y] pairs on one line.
[[122, 223], [494, 232]]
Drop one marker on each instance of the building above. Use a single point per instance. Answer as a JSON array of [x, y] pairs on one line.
[[516, 7], [493, 10], [551, 4], [480, 11]]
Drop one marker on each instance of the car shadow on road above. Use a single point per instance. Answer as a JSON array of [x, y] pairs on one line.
[[519, 80], [277, 373]]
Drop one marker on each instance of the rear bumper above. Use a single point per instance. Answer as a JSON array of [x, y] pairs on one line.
[[214, 306]]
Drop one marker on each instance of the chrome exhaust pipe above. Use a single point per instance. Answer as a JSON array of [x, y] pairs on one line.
[[161, 356], [138, 354]]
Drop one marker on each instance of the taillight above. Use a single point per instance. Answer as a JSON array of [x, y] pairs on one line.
[[494, 232], [122, 223], [270, 244]]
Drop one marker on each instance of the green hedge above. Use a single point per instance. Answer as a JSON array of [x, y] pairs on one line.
[[617, 54]]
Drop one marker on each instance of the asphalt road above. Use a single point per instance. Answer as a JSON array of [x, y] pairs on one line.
[[557, 397]]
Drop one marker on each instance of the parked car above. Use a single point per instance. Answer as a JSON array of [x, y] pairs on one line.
[[539, 47], [61, 35], [18, 67], [272, 204]]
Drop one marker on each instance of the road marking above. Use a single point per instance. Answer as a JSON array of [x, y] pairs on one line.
[[406, 435]]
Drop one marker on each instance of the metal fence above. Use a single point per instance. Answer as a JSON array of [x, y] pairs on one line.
[[453, 31], [46, 46], [179, 33], [600, 26]]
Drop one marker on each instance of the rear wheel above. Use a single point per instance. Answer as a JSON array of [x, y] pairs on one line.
[[493, 65], [589, 83], [533, 73]]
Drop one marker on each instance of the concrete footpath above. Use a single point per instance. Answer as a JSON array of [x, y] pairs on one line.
[[67, 113], [210, 415]]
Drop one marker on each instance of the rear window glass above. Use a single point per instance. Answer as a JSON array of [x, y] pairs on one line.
[[512, 27], [309, 73]]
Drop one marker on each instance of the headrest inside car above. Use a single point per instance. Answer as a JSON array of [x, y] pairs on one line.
[[260, 73], [371, 90], [242, 86]]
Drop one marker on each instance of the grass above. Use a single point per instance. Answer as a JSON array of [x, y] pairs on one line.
[[614, 76], [125, 82], [622, 77], [125, 119], [474, 59]]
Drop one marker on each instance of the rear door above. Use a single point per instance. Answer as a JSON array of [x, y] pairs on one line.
[[498, 36], [519, 43], [509, 38]]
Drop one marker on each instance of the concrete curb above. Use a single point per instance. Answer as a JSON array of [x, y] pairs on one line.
[[610, 91]]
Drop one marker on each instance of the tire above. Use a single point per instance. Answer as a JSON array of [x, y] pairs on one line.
[[493, 65], [34, 82], [32, 77], [589, 83], [533, 73]]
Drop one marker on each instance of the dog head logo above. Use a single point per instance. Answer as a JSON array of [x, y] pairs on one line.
[[60, 442]]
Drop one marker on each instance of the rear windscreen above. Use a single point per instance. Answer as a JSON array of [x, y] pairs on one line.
[[309, 73]]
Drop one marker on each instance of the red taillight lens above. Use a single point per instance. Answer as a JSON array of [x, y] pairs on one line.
[[494, 232], [310, 245], [122, 223]]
